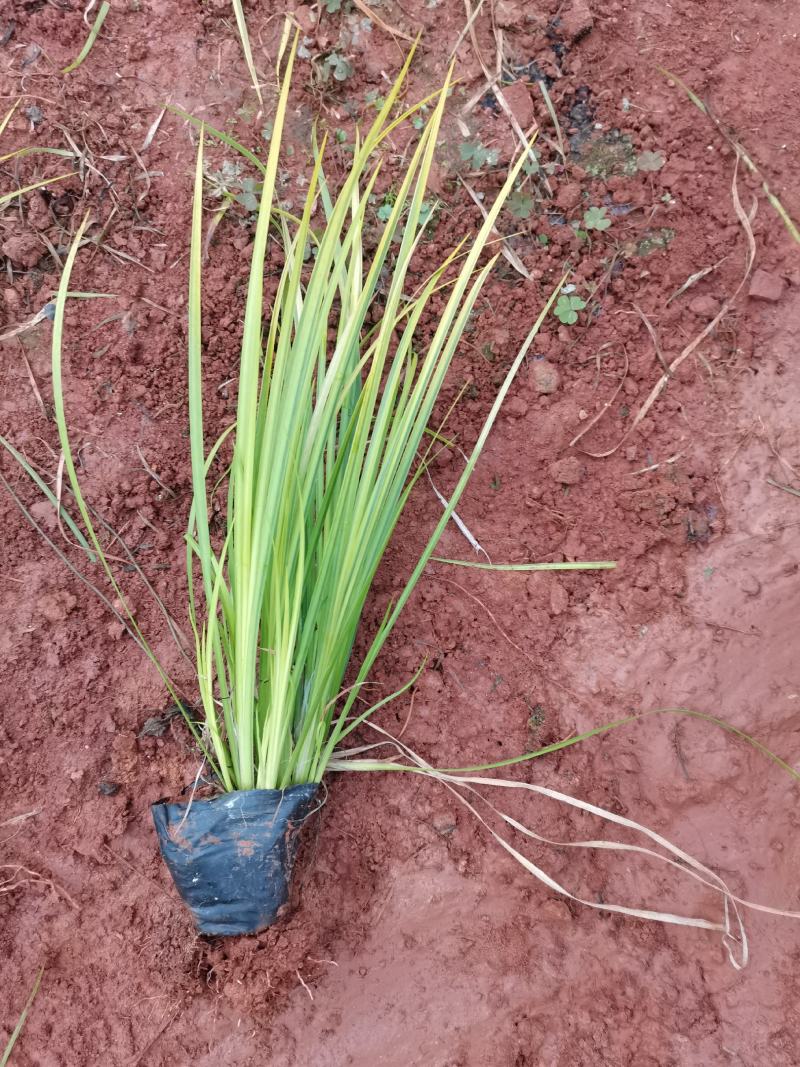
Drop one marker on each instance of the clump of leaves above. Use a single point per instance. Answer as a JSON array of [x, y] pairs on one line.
[[595, 218], [567, 308], [384, 212], [336, 65], [650, 161], [228, 184], [332, 6], [520, 204], [374, 98], [427, 211], [478, 155]]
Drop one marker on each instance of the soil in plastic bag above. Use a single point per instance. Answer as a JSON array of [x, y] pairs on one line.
[[231, 857]]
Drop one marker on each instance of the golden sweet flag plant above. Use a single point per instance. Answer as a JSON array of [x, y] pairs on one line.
[[327, 447], [326, 452]]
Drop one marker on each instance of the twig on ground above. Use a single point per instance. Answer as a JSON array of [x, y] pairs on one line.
[[365, 9], [665, 378], [604, 408], [785, 488], [507, 252], [654, 338], [153, 475], [8, 885]]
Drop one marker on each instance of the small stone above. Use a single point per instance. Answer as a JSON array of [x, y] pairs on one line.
[[567, 471], [749, 584], [444, 823], [55, 607], [44, 513], [673, 175], [545, 376], [569, 196], [23, 250], [576, 21], [630, 387], [698, 527], [559, 599], [306, 18], [766, 286], [436, 180], [519, 100], [516, 407], [157, 725], [108, 789], [554, 910], [509, 14], [705, 307], [573, 547], [38, 212]]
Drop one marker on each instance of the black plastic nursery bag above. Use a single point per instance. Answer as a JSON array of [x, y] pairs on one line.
[[231, 857]]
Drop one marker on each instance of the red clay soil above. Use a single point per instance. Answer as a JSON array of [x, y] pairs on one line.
[[413, 938]]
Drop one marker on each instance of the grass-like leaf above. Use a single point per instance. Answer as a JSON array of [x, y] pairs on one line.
[[8, 197], [97, 25], [6, 1054], [244, 37]]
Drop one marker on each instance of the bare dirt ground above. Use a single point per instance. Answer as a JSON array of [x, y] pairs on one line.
[[414, 939]]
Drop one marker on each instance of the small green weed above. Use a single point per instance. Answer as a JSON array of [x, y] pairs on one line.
[[385, 210], [419, 120], [520, 204], [567, 308], [336, 65], [228, 184], [595, 218], [478, 155]]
